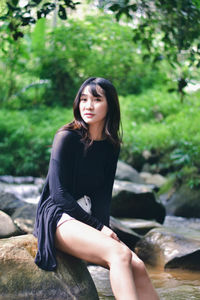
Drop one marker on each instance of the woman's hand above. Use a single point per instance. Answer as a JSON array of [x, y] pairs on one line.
[[107, 231]]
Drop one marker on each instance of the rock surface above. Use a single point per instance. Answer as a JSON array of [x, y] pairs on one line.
[[7, 227], [9, 202], [125, 234], [184, 202], [132, 200], [163, 248], [140, 226], [21, 279], [24, 217], [20, 179], [126, 173], [26, 192], [155, 179]]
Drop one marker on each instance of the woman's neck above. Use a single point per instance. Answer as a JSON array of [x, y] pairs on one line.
[[96, 132]]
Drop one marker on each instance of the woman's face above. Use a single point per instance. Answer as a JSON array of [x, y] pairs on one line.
[[93, 109]]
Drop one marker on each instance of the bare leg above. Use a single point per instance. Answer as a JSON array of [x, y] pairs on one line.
[[85, 242], [144, 287]]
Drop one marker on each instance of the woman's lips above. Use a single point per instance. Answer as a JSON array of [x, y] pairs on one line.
[[89, 115]]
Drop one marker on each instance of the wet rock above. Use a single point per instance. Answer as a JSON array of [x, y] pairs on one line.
[[20, 179], [21, 279], [7, 227], [183, 226], [155, 179], [184, 202], [126, 173], [24, 217], [160, 247], [125, 234], [9, 202], [132, 200], [140, 226], [25, 192]]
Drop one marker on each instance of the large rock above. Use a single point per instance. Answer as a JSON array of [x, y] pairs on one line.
[[27, 192], [7, 227], [140, 226], [24, 217], [161, 247], [125, 234], [132, 200], [126, 173], [184, 202], [21, 279], [9, 202], [21, 179], [154, 179]]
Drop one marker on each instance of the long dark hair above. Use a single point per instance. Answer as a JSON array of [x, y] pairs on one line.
[[112, 125]]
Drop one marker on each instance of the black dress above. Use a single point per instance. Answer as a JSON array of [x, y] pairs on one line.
[[73, 173]]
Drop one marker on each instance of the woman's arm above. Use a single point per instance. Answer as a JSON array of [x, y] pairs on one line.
[[103, 196], [61, 174]]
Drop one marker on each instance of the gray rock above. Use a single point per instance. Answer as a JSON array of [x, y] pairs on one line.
[[18, 180], [126, 173], [140, 226], [25, 192], [184, 202], [24, 217], [131, 200], [183, 226], [154, 179], [7, 227], [9, 202], [125, 234], [163, 248], [21, 279]]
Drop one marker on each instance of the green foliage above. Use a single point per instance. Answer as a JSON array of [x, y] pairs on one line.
[[167, 127], [168, 30], [49, 65], [17, 16], [26, 135], [164, 27], [189, 174], [26, 138]]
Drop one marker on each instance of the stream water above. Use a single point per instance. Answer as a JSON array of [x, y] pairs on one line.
[[170, 285]]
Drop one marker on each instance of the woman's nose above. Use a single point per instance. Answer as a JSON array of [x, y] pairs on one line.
[[89, 104]]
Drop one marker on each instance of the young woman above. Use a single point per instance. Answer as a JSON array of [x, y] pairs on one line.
[[83, 162]]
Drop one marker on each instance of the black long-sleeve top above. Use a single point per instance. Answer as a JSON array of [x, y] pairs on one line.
[[73, 173]]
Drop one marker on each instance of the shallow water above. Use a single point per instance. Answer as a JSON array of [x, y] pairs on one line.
[[170, 285]]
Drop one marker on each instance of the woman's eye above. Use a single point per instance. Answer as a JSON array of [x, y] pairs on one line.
[[83, 99], [98, 99]]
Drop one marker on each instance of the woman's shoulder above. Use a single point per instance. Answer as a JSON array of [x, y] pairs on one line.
[[70, 133], [67, 136]]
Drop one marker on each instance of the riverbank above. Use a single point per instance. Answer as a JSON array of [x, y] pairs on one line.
[[173, 285]]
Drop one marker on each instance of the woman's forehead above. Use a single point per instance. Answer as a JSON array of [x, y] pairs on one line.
[[93, 89]]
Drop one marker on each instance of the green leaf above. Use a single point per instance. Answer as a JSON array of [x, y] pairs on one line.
[[62, 13]]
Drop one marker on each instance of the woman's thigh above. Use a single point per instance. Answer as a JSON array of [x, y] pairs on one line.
[[85, 242]]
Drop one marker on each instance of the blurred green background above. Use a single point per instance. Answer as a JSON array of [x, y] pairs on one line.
[[150, 50]]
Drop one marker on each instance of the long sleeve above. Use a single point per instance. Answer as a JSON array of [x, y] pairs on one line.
[[62, 169], [104, 196]]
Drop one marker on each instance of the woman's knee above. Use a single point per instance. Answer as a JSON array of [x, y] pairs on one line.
[[121, 254]]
